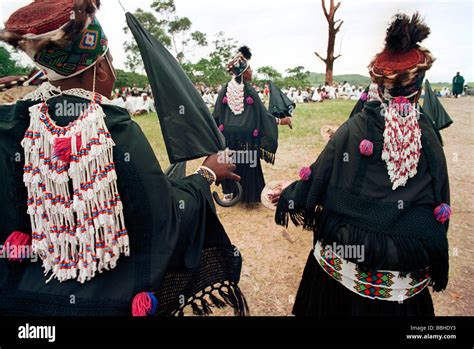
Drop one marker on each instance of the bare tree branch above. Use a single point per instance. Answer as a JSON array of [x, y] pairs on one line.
[[337, 6], [320, 57], [339, 26], [339, 55], [326, 14]]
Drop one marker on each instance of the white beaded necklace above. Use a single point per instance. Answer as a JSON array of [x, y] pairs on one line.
[[235, 97], [80, 234]]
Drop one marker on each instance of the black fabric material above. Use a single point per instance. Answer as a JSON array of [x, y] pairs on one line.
[[349, 200], [176, 171], [238, 129], [280, 105], [186, 123], [252, 182], [165, 237], [434, 109], [320, 296], [359, 105]]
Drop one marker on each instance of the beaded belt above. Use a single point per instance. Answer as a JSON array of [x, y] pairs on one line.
[[382, 285]]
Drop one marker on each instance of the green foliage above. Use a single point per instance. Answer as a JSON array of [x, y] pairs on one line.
[[150, 23], [268, 73], [172, 31], [9, 66], [128, 79], [212, 70], [297, 77]]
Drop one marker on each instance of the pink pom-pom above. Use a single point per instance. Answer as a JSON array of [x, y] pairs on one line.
[[62, 148], [225, 100], [221, 127], [255, 132], [305, 173], [249, 100], [366, 147], [364, 96], [16, 244], [442, 213], [144, 304]]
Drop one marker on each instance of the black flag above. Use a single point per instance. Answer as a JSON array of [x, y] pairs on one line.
[[188, 128], [433, 108], [280, 105]]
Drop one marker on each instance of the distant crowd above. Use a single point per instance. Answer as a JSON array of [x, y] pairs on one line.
[[140, 101]]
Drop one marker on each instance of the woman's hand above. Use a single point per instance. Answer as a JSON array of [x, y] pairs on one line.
[[286, 121], [222, 165], [274, 195]]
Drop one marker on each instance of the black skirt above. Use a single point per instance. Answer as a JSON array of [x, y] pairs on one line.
[[319, 295], [252, 182]]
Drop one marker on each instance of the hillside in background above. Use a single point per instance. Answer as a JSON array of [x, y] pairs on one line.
[[317, 79]]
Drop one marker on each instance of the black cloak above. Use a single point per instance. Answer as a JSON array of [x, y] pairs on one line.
[[186, 123], [434, 109], [349, 200], [280, 105], [254, 129]]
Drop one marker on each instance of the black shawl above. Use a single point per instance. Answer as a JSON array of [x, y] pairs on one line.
[[177, 245], [434, 109], [239, 129], [280, 105], [349, 200]]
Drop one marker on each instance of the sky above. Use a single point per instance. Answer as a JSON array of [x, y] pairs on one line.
[[286, 33]]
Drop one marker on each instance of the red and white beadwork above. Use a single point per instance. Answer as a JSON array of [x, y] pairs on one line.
[[402, 141], [80, 233], [235, 97]]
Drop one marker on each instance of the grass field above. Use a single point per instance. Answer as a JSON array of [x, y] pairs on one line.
[[308, 119]]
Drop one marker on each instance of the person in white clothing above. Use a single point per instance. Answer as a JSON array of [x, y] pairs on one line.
[[143, 105]]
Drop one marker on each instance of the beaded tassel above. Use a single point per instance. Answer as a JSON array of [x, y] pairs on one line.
[[402, 141], [82, 232], [235, 97]]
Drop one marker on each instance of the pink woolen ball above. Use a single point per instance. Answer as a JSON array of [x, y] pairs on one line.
[[249, 100], [16, 242], [366, 147], [225, 100], [144, 304], [442, 213], [305, 174]]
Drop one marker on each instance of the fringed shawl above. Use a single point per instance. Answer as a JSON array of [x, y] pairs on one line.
[[349, 200]]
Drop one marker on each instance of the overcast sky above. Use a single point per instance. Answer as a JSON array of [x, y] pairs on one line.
[[285, 33]]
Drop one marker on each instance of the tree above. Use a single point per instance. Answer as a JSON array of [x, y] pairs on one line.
[[150, 23], [297, 77], [212, 70], [9, 66], [128, 79], [269, 73], [172, 31], [333, 28]]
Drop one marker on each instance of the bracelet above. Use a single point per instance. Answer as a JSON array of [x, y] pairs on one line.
[[278, 121], [207, 174]]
